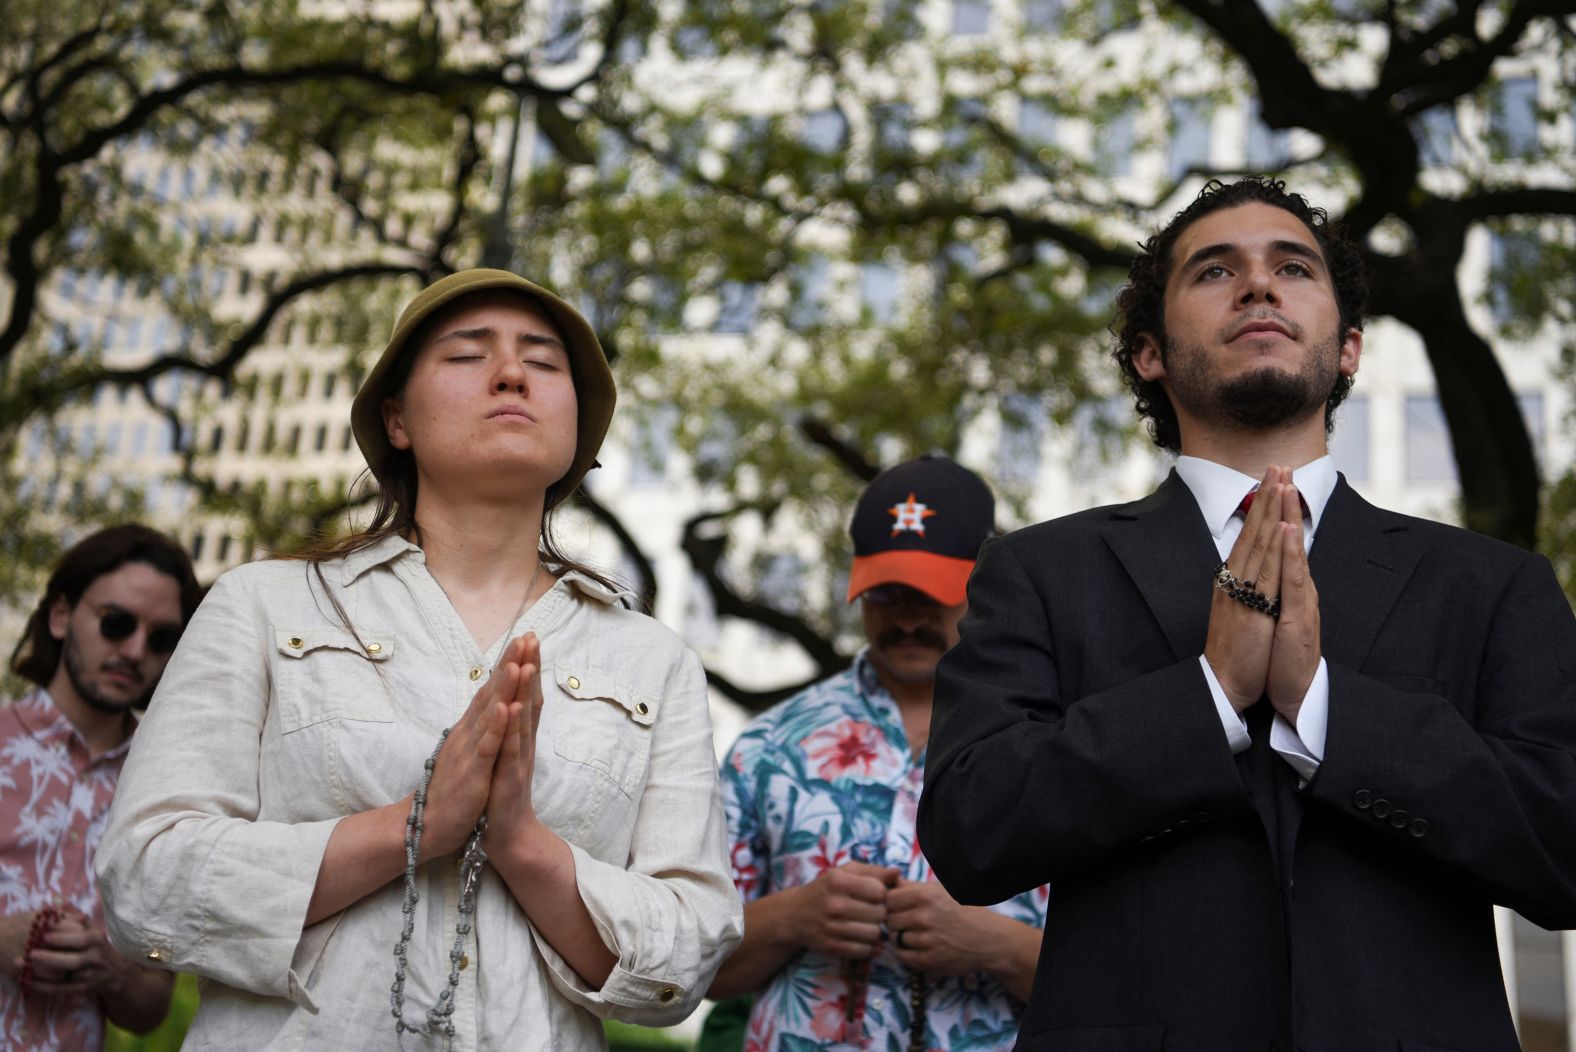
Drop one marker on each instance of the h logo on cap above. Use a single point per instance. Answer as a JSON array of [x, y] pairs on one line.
[[910, 516]]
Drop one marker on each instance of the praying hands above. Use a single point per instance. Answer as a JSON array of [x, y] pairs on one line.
[[1253, 654]]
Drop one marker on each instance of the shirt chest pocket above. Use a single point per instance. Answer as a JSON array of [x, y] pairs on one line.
[[323, 673], [603, 724]]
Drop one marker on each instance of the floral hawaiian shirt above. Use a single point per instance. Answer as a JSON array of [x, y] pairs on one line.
[[823, 779], [54, 798]]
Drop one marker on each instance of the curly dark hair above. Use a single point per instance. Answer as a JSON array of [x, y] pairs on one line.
[[1141, 303]]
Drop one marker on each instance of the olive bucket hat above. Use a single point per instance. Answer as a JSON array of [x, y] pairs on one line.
[[594, 388]]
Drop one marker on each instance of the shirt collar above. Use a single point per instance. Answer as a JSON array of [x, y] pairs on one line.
[[381, 551], [1219, 489], [42, 718], [388, 548], [865, 674]]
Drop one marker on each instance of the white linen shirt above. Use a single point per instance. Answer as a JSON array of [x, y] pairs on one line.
[[273, 721]]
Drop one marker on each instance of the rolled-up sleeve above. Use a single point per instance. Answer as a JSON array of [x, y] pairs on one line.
[[671, 915], [191, 880]]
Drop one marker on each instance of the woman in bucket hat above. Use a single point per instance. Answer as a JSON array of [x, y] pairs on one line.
[[437, 736]]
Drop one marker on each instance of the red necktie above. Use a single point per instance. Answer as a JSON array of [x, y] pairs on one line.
[[1247, 502]]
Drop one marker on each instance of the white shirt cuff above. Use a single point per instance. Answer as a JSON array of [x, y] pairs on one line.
[[1231, 720], [1302, 746]]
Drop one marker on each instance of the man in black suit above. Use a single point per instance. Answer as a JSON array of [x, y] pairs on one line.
[[1277, 762]]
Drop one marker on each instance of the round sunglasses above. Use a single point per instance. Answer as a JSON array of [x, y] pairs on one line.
[[116, 624]]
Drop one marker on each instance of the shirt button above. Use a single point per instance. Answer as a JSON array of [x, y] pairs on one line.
[[642, 708], [374, 648], [156, 954], [574, 683], [465, 961], [295, 641], [476, 674], [667, 994]]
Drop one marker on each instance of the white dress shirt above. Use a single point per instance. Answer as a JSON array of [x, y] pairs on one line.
[[1219, 490]]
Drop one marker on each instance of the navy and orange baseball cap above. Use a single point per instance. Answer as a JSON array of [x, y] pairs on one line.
[[922, 524]]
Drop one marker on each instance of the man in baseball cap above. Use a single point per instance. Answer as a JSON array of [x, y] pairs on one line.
[[847, 935]]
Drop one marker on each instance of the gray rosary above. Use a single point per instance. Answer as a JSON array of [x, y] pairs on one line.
[[440, 1017]]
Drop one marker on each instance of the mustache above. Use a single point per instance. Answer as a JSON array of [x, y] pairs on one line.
[[124, 666], [1263, 314], [921, 636]]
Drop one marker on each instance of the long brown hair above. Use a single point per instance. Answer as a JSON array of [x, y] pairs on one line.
[[37, 654]]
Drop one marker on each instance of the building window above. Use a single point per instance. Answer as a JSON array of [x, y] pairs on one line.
[[700, 615], [1020, 439], [961, 142], [1114, 140], [970, 17], [1190, 138], [197, 545], [612, 153], [320, 440], [825, 131], [652, 450], [782, 583], [1513, 119], [1436, 133], [808, 284], [563, 31], [1036, 126], [693, 42], [1266, 149], [1042, 16], [1429, 457], [893, 121], [736, 306], [1349, 441], [1538, 978], [878, 291], [1514, 287]]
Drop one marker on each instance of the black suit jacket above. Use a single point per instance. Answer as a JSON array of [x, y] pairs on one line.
[[1206, 901]]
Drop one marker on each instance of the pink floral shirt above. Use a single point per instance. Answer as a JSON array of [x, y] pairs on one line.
[[54, 798]]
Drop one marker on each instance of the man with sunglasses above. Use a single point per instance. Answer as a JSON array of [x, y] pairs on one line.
[[95, 645], [848, 939]]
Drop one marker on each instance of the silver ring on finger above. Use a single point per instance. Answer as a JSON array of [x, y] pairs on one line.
[[898, 940]]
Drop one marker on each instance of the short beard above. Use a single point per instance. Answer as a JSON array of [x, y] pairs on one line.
[[1260, 400], [77, 673]]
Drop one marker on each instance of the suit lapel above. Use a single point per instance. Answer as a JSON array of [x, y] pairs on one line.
[[1165, 547], [1361, 562], [1167, 551]]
